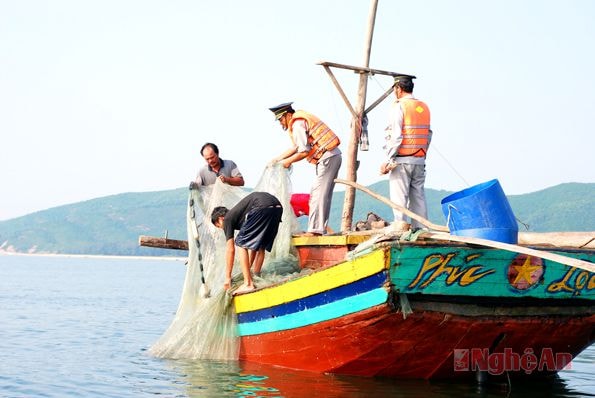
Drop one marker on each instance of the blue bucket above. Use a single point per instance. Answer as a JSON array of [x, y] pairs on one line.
[[481, 211]]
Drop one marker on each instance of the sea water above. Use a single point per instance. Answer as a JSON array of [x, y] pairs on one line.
[[82, 326]]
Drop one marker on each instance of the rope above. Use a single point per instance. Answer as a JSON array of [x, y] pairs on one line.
[[434, 148], [204, 289], [450, 208]]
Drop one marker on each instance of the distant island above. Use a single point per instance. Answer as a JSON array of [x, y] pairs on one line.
[[111, 225]]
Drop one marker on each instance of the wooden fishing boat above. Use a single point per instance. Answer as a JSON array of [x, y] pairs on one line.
[[426, 305], [428, 308]]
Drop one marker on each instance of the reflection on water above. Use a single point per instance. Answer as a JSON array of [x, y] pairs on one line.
[[241, 379]]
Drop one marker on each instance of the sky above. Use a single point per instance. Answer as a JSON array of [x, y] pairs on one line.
[[104, 97]]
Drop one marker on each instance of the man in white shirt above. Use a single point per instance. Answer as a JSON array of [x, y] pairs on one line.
[[408, 137]]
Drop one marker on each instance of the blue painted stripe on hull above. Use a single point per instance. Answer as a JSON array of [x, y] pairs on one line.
[[318, 314], [329, 296]]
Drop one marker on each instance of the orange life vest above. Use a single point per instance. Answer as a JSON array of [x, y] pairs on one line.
[[320, 137], [416, 128]]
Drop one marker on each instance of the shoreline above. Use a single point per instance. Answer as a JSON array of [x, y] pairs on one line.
[[161, 258]]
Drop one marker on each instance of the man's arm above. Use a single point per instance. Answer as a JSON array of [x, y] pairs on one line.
[[230, 251], [393, 132], [197, 181], [392, 138], [296, 157], [300, 135], [235, 178], [235, 181], [285, 155]]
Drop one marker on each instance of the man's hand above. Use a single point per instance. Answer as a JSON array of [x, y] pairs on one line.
[[286, 163], [387, 167], [383, 168], [223, 179], [227, 283], [193, 185]]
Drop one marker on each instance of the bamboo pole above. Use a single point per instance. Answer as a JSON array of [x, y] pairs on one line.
[[392, 204], [352, 162], [547, 255], [380, 99]]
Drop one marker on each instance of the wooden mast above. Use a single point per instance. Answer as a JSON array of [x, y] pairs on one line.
[[357, 113], [356, 122]]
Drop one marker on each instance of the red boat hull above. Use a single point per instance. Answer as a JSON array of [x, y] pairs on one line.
[[379, 342]]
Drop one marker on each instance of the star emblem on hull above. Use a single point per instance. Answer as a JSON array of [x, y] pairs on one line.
[[525, 271]]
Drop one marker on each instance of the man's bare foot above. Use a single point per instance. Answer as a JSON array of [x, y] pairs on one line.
[[244, 289]]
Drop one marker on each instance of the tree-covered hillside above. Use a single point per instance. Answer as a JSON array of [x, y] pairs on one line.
[[112, 224]]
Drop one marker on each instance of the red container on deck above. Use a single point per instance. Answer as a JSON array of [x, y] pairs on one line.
[[300, 204]]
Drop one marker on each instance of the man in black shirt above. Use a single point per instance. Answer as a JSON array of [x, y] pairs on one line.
[[257, 217]]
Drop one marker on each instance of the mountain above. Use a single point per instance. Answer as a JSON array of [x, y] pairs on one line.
[[111, 225], [564, 207], [107, 225]]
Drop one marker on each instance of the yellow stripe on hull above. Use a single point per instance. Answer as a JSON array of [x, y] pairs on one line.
[[317, 282]]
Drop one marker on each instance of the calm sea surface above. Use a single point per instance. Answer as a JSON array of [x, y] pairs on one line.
[[81, 327]]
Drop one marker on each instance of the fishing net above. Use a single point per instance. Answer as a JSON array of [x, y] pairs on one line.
[[204, 326]]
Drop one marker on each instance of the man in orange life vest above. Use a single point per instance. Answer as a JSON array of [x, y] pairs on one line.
[[312, 140], [408, 137]]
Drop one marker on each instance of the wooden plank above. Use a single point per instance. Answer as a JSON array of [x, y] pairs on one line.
[[361, 69], [162, 243], [333, 240], [577, 240], [572, 262]]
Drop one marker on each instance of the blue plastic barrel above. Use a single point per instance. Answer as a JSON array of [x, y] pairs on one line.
[[481, 211]]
